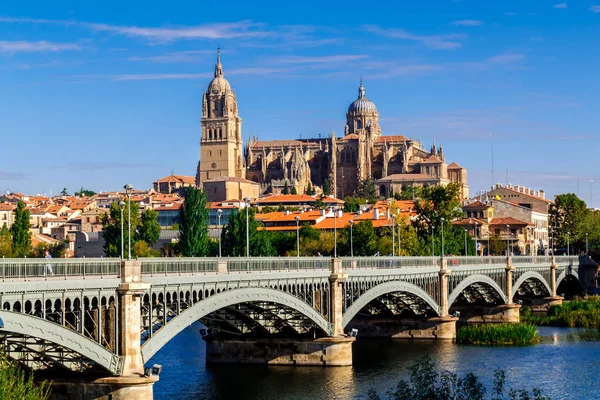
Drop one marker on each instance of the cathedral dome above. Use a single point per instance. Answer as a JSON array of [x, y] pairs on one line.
[[219, 83], [362, 104]]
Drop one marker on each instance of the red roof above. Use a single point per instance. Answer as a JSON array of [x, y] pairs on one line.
[[469, 222], [177, 178], [432, 160], [391, 139], [454, 166], [508, 221]]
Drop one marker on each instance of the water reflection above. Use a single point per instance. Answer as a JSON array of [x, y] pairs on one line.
[[565, 365]]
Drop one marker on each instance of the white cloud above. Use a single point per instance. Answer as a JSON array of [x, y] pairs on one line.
[[595, 9], [35, 47], [560, 5], [468, 22], [439, 42], [239, 71], [505, 59], [341, 58], [177, 56]]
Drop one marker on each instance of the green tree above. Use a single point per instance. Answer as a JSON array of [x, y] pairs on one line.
[[233, 237], [149, 228], [353, 203], [21, 236], [15, 384], [85, 192], [366, 189], [64, 192], [5, 242], [326, 187], [111, 228], [310, 190], [364, 239], [437, 203], [568, 215], [56, 250], [286, 189], [294, 190], [193, 228]]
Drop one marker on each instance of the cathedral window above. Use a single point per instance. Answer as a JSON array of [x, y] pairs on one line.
[[220, 133], [359, 124], [210, 153], [220, 153]]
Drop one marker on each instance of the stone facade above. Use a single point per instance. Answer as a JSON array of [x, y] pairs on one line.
[[362, 153]]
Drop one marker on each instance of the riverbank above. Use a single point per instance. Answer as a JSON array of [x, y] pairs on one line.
[[576, 313], [498, 334]]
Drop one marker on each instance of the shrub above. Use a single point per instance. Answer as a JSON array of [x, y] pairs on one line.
[[492, 334]]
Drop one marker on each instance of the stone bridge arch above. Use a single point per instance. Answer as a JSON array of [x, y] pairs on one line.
[[470, 280], [225, 299], [385, 288], [564, 274], [530, 275], [31, 326]]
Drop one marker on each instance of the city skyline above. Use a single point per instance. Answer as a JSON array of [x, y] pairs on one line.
[[106, 97]]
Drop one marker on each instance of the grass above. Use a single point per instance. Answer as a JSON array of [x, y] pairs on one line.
[[15, 384], [498, 334], [580, 312]]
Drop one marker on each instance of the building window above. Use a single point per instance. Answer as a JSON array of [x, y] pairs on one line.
[[220, 153], [210, 153], [359, 124]]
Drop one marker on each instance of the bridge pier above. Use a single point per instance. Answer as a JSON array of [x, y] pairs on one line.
[[554, 299]]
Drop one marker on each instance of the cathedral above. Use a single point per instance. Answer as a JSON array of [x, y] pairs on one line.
[[394, 162]]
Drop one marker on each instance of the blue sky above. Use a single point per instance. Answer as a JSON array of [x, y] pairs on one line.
[[101, 96]]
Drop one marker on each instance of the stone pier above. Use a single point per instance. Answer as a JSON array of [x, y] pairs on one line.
[[437, 328]]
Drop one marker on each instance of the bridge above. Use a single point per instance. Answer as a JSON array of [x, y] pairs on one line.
[[103, 319]]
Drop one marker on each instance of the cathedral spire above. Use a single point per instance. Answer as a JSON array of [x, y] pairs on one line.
[[361, 90], [218, 66]]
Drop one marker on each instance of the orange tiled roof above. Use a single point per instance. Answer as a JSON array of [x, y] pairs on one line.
[[477, 204], [469, 222], [177, 178], [294, 198], [6, 207], [350, 136], [408, 178], [392, 139], [432, 160], [528, 195], [507, 221], [454, 166]]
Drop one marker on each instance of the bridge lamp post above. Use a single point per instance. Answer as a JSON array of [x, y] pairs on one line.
[[507, 240], [121, 205], [128, 189], [334, 232], [297, 218], [393, 235], [351, 245], [432, 242], [586, 244], [442, 219], [219, 212], [568, 245], [399, 235], [552, 240], [247, 201], [475, 234], [466, 242]]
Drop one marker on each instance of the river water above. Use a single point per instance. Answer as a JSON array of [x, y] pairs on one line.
[[566, 365]]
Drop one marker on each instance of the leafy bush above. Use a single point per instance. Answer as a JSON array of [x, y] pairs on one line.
[[580, 312], [16, 385], [490, 334], [426, 382]]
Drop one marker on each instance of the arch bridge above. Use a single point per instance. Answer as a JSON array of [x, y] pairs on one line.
[[108, 317]]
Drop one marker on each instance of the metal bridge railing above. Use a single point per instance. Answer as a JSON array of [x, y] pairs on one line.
[[389, 262], [28, 268], [475, 260], [178, 265], [257, 264]]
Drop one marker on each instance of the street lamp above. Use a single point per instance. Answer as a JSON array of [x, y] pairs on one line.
[[475, 234], [393, 236], [442, 219], [297, 218], [334, 233], [128, 189], [351, 245], [432, 242], [399, 236], [552, 240], [247, 201], [121, 205], [507, 240], [568, 245], [466, 242], [219, 212], [586, 244]]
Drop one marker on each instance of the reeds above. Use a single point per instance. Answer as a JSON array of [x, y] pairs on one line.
[[16, 385], [580, 312], [498, 334]]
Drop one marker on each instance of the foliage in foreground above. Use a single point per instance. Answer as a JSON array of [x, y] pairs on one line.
[[16, 385], [580, 312], [426, 382], [490, 334]]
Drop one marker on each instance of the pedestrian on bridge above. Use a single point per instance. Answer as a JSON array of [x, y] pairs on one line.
[[48, 266]]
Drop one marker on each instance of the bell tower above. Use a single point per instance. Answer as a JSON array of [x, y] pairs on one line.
[[221, 137]]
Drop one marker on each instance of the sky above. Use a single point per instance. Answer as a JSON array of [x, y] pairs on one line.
[[99, 96]]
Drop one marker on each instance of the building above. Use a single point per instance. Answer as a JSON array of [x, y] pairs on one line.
[[296, 200], [174, 184], [362, 153], [6, 214], [223, 188], [523, 196]]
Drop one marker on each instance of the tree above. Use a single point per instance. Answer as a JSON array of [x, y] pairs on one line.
[[364, 239], [85, 192], [149, 228], [111, 228], [15, 383], [366, 189], [353, 203], [21, 236], [64, 192], [286, 189], [233, 236], [193, 228], [294, 190], [437, 202], [310, 190], [5, 242], [567, 216], [56, 250], [326, 187]]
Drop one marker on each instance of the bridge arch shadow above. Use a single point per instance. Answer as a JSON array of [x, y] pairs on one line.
[[225, 299], [531, 276], [568, 284], [474, 280], [387, 288]]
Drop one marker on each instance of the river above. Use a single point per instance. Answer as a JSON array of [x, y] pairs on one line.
[[565, 365]]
